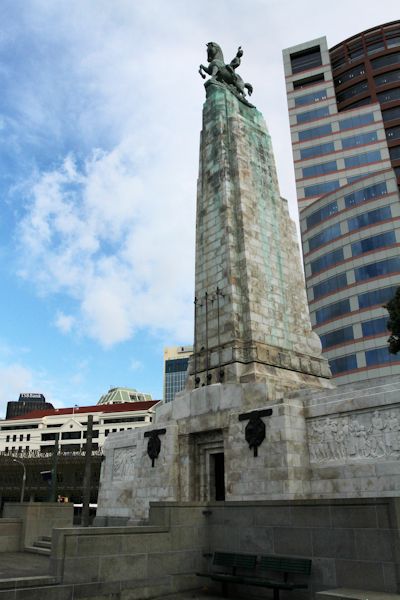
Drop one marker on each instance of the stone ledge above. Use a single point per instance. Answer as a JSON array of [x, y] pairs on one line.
[[349, 594], [26, 582]]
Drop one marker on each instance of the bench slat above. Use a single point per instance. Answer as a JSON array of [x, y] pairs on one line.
[[230, 560], [286, 565]]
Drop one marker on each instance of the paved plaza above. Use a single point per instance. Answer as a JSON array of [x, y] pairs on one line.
[[22, 564]]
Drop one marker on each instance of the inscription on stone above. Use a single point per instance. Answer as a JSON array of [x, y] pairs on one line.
[[124, 463], [366, 435]]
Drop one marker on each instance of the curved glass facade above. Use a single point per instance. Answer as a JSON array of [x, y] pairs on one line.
[[345, 133], [368, 64]]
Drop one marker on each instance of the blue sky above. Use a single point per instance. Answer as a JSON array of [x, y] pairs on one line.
[[100, 114]]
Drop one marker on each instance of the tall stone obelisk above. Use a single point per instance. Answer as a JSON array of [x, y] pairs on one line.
[[251, 315], [238, 432]]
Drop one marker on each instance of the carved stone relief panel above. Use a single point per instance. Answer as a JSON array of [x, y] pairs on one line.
[[353, 436], [124, 462]]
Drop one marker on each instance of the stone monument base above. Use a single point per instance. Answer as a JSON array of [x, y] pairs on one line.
[[254, 442]]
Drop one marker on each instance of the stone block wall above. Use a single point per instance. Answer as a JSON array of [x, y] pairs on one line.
[[10, 535], [38, 518], [352, 543], [132, 562]]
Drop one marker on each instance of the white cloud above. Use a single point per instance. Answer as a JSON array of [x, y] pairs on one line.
[[136, 365], [112, 224], [64, 322], [14, 379], [108, 237]]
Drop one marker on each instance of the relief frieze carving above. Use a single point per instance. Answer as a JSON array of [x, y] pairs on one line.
[[124, 462], [360, 436]]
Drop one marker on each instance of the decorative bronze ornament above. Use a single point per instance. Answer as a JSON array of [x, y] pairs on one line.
[[154, 443], [255, 433], [255, 428]]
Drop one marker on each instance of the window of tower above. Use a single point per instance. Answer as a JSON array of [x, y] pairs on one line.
[[394, 153], [321, 214], [344, 363], [326, 260], [362, 159], [314, 132], [307, 81], [373, 243], [391, 113], [389, 95], [337, 309], [379, 356], [367, 193], [326, 235], [329, 286], [369, 218], [321, 188], [385, 78], [376, 297], [383, 267], [352, 91], [349, 75], [374, 326], [306, 59], [340, 336], [315, 96], [384, 61], [359, 140]]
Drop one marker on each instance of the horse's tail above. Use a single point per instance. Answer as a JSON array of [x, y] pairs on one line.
[[249, 88]]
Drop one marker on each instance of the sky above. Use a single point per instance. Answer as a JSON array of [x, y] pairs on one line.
[[100, 115]]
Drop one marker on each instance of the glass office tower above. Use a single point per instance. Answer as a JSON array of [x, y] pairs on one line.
[[344, 111], [176, 362]]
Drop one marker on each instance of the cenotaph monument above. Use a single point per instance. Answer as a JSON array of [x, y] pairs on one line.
[[259, 418], [253, 341]]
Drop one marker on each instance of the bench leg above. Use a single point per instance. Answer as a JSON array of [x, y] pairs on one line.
[[225, 589], [276, 593]]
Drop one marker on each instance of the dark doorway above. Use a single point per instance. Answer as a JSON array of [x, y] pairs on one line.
[[219, 476]]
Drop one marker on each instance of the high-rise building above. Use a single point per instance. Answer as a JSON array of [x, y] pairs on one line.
[[344, 111], [176, 361], [25, 404]]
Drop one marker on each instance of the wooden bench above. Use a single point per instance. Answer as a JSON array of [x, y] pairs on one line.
[[246, 569]]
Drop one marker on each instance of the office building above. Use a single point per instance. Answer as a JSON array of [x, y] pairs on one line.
[[26, 402], [344, 111], [38, 430], [176, 361]]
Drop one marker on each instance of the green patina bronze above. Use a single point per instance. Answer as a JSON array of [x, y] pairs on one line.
[[225, 75]]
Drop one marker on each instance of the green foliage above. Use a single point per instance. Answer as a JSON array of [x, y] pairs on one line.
[[393, 308]]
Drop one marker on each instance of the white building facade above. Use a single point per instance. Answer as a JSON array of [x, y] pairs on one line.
[[38, 430]]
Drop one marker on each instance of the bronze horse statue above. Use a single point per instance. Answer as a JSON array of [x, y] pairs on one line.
[[223, 73]]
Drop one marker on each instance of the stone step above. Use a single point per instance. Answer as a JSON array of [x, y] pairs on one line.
[[27, 582], [349, 594], [45, 538], [37, 550], [42, 543]]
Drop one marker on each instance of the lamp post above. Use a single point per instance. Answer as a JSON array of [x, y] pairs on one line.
[[23, 478]]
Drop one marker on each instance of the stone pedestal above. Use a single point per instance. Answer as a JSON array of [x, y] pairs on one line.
[[198, 426]]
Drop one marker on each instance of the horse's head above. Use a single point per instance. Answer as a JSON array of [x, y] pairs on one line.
[[214, 52]]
